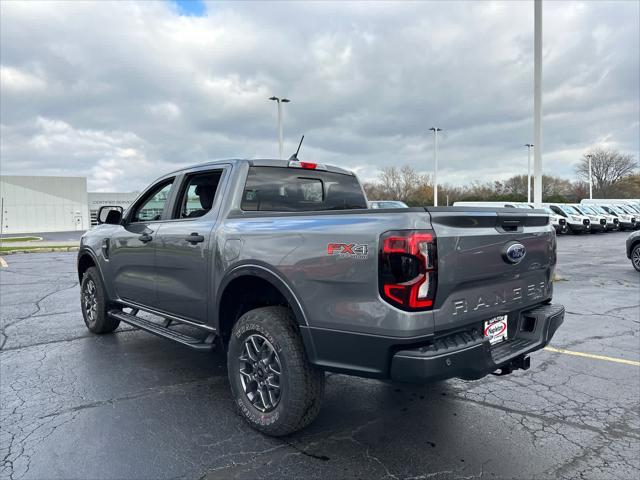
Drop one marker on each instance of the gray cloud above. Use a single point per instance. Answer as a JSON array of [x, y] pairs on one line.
[[123, 91]]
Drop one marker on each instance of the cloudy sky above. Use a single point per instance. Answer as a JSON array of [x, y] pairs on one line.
[[121, 92]]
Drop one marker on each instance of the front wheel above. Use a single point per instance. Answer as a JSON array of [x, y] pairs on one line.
[[93, 300], [276, 389], [635, 257]]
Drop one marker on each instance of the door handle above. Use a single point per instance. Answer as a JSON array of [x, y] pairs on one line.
[[145, 237], [194, 238]]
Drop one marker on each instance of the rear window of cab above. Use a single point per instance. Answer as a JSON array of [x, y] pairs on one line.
[[281, 189]]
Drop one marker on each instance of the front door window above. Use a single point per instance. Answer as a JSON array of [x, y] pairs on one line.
[[153, 206]]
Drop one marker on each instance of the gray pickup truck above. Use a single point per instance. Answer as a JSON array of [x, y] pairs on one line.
[[282, 264]]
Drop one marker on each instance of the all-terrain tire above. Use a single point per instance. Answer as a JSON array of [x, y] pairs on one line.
[[301, 385], [635, 257], [93, 300]]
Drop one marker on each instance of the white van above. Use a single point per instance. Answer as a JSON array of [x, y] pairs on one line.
[[598, 221], [577, 222], [627, 219], [612, 222]]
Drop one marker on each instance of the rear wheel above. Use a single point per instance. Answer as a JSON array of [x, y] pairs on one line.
[[635, 257], [275, 388], [93, 300]]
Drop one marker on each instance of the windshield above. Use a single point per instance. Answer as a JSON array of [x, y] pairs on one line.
[[599, 209], [586, 209], [625, 208], [568, 209], [616, 209], [548, 210]]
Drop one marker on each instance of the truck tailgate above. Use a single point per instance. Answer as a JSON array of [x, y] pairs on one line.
[[476, 279]]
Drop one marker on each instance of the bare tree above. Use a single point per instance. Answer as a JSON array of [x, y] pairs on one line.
[[608, 168], [402, 183], [516, 186]]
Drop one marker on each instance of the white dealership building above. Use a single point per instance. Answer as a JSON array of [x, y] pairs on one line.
[[33, 204]]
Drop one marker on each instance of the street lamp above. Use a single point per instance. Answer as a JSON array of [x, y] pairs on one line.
[[590, 178], [280, 101], [529, 145], [435, 131], [537, 101]]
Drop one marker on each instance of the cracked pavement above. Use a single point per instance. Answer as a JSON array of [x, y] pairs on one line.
[[131, 405]]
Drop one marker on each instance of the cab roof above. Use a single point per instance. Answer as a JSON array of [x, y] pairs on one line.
[[260, 162]]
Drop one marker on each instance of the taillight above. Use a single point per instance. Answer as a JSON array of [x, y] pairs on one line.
[[307, 165], [407, 269]]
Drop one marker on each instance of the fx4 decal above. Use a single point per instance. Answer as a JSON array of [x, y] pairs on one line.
[[348, 250]]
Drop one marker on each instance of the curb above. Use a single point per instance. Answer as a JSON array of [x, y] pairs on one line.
[[39, 250], [34, 238]]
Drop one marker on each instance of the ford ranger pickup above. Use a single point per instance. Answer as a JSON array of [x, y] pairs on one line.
[[282, 265]]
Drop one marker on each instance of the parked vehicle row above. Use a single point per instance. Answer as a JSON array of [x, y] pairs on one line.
[[627, 211]]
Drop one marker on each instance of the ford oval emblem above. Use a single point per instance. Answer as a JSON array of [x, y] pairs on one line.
[[514, 253]]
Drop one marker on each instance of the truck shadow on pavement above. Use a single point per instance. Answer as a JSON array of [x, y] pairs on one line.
[[362, 421]]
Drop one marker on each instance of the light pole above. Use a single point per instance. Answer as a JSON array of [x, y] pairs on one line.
[[529, 145], [280, 101], [590, 178], [435, 131], [537, 101]]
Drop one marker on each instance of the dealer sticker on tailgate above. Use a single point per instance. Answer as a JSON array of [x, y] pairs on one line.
[[496, 329]]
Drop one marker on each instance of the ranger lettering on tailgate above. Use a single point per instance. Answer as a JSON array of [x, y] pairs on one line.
[[532, 291]]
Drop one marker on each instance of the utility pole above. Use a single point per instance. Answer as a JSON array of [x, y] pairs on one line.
[[529, 145], [537, 102], [590, 177], [280, 101], [435, 131]]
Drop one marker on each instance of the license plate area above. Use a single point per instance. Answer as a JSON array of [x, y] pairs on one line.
[[496, 329]]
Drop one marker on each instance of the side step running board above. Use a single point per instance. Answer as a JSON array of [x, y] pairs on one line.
[[161, 331]]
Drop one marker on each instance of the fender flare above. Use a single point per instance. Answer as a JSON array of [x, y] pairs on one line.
[[265, 272], [256, 269], [87, 251]]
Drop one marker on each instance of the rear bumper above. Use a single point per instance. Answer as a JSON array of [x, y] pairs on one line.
[[469, 356]]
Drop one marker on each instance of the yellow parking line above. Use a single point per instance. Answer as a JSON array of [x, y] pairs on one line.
[[591, 355], [3, 263]]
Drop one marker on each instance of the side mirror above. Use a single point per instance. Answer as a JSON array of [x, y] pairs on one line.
[[111, 215]]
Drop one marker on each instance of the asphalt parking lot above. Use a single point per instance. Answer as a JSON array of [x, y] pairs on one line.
[[131, 405]]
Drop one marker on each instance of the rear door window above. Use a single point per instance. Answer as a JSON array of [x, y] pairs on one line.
[[198, 194], [277, 189]]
